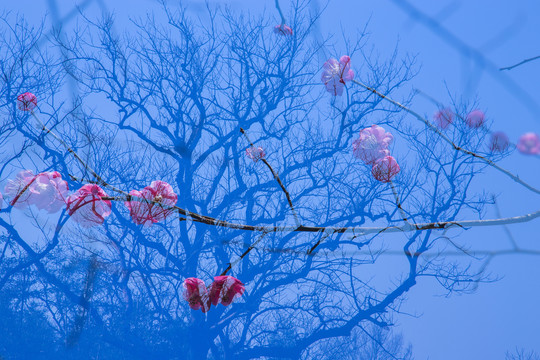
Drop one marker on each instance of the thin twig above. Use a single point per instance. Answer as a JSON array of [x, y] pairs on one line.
[[506, 229], [519, 63], [251, 247], [324, 236], [398, 204], [276, 176]]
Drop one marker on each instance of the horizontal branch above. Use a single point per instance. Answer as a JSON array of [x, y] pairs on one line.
[[469, 253], [357, 230]]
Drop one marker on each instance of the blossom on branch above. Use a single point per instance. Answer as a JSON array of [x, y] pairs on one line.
[[475, 119], [154, 203], [87, 207], [335, 74], [529, 144], [283, 30], [225, 289], [47, 191], [26, 101], [385, 169], [499, 142], [372, 144], [196, 294], [443, 118], [17, 189], [255, 153]]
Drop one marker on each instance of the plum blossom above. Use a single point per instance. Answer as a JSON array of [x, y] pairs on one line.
[[255, 153], [529, 144], [47, 191], [335, 74], [225, 289], [283, 30], [26, 101], [159, 197], [87, 207], [499, 142], [475, 119], [385, 169], [1, 200], [196, 294], [443, 118], [372, 144], [17, 189]]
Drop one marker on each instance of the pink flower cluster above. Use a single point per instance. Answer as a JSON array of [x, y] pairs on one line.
[[372, 148], [475, 119], [89, 205], [336, 73], [255, 153], [372, 144], [26, 101], [283, 30], [499, 142], [385, 169], [47, 191], [529, 144], [443, 118], [223, 290], [159, 196]]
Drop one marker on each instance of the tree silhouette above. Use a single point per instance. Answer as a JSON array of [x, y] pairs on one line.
[[268, 188]]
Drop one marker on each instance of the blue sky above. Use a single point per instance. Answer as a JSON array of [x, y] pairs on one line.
[[498, 316]]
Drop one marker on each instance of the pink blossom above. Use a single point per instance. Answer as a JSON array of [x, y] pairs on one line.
[[1, 200], [225, 289], [17, 189], [335, 74], [196, 294], [87, 207], [475, 119], [159, 197], [47, 191], [26, 101], [372, 144], [283, 30], [529, 144], [255, 153], [443, 118], [385, 169], [499, 142]]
